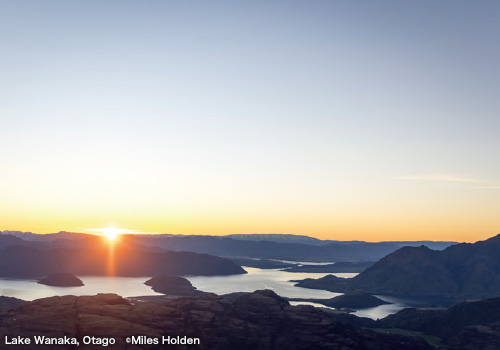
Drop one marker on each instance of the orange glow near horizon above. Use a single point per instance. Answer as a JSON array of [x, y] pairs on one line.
[[385, 223], [371, 230], [386, 210], [111, 233]]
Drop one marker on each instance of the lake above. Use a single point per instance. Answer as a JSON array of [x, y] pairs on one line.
[[255, 279], [134, 286], [274, 279], [30, 290]]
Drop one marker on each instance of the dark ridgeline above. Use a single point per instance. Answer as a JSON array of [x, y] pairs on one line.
[[459, 272], [269, 246]]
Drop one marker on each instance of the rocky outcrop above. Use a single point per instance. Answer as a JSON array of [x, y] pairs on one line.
[[354, 301], [61, 280], [329, 282], [260, 320], [172, 285]]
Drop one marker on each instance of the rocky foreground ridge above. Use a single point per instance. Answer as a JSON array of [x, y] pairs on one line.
[[260, 320]]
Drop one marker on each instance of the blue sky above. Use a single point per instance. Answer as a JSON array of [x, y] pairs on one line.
[[339, 119]]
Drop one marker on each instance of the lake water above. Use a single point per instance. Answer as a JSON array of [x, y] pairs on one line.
[[279, 281], [30, 290], [382, 310], [255, 279]]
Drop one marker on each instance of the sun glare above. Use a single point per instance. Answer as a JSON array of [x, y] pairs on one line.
[[111, 233]]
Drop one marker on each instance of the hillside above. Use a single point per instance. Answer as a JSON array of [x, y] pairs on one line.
[[93, 256], [460, 271]]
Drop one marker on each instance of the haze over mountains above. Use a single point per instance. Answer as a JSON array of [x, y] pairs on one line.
[[260, 246], [284, 238], [91, 255]]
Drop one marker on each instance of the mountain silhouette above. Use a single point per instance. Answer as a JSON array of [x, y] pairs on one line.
[[460, 271]]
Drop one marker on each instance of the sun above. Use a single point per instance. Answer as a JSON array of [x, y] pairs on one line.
[[111, 233]]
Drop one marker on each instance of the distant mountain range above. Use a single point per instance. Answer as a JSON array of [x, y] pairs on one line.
[[259, 246], [460, 271], [90, 255], [279, 238], [284, 238]]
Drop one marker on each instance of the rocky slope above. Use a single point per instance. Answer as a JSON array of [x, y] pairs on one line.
[[257, 321], [172, 285], [354, 301]]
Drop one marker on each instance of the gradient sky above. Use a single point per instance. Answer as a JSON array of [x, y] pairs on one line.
[[372, 120]]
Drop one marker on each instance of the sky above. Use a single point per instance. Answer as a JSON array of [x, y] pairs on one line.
[[369, 120]]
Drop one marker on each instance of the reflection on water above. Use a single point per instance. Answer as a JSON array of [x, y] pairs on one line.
[[399, 303], [303, 262], [274, 279], [382, 310], [372, 312], [30, 290], [279, 281], [309, 303]]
